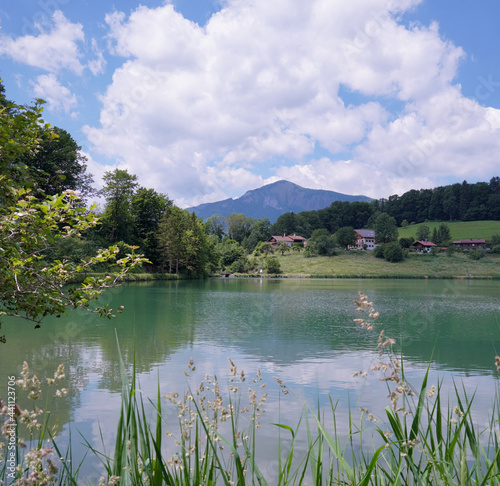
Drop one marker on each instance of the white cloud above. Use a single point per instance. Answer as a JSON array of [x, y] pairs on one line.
[[198, 112], [58, 97], [52, 51], [98, 64]]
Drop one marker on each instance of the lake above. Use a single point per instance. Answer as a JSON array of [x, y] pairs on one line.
[[300, 331]]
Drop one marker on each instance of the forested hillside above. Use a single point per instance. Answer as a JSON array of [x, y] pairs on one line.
[[456, 202]]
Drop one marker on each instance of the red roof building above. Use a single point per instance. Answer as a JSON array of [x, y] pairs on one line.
[[424, 246], [289, 240], [471, 244]]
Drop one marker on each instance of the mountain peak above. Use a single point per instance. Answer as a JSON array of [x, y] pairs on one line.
[[272, 200]]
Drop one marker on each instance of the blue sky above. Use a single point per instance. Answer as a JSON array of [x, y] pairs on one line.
[[205, 99]]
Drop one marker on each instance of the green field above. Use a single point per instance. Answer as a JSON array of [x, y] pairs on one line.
[[364, 264], [459, 229]]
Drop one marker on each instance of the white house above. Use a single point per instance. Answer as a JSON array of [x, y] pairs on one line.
[[365, 237]]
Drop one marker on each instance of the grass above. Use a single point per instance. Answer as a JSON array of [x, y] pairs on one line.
[[459, 229], [420, 440], [362, 264]]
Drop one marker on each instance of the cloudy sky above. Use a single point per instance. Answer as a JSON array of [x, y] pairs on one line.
[[205, 99]]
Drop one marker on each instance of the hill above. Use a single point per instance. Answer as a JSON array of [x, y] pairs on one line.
[[459, 229], [273, 200]]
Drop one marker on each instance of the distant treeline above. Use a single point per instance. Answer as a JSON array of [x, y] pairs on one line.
[[455, 202]]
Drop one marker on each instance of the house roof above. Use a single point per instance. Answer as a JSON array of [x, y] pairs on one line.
[[424, 243], [470, 241], [287, 239], [365, 233]]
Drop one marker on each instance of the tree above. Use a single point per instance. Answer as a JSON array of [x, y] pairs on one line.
[[393, 252], [283, 247], [443, 234], [465, 199], [272, 265], [423, 232], [119, 187], [4, 103], [406, 242], [263, 247], [261, 231], [147, 208], [451, 202], [195, 246], [31, 287], [319, 232], [322, 245], [229, 251], [386, 229], [286, 224], [58, 165], [346, 237], [170, 238], [239, 227], [215, 225], [435, 236]]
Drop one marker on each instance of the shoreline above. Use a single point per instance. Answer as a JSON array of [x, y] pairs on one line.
[[363, 277], [148, 277]]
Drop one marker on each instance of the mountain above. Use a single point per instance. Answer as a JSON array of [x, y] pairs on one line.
[[273, 200]]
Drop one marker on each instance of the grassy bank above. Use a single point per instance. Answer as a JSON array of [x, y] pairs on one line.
[[458, 229]]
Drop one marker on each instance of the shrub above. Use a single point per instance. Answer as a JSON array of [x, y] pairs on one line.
[[310, 251], [272, 265], [239, 266], [379, 251], [393, 252], [475, 254], [230, 251], [495, 249], [495, 240], [406, 242]]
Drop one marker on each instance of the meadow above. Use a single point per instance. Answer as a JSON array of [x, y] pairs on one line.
[[363, 264], [459, 229]]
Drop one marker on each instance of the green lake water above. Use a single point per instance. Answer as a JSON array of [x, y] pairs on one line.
[[300, 331]]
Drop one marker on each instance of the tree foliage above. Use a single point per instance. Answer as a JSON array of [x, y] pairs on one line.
[[423, 232], [31, 286], [147, 207], [58, 165], [119, 187], [272, 265], [346, 237], [386, 229], [183, 243], [393, 252]]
